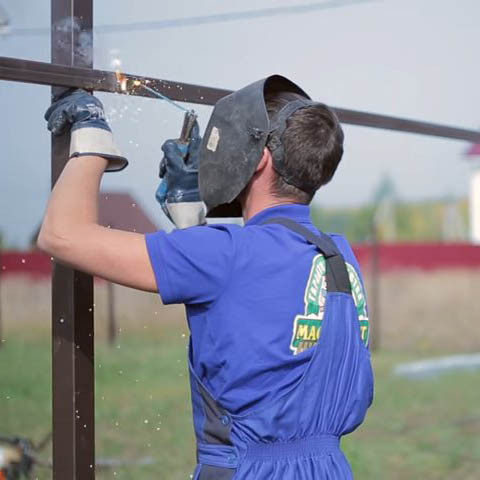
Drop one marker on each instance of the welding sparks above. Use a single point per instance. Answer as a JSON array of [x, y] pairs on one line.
[[116, 63], [125, 83], [122, 80]]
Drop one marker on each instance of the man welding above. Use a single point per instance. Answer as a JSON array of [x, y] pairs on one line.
[[279, 360]]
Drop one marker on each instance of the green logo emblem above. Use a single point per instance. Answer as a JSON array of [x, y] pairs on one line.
[[308, 326]]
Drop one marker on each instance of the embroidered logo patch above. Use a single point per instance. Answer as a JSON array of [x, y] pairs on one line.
[[307, 327]]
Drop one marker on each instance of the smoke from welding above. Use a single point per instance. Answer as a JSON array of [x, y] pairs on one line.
[[83, 44]]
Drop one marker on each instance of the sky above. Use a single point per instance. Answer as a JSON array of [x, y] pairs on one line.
[[409, 58]]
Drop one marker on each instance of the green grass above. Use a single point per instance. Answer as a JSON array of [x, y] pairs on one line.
[[426, 429]]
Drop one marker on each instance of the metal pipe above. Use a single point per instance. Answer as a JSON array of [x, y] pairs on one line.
[[43, 73], [105, 81], [1, 274], [72, 291], [375, 289], [112, 319]]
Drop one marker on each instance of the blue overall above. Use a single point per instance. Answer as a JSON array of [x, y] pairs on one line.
[[265, 432]]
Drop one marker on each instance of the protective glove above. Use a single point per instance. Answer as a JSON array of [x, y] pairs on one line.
[[83, 113], [178, 192]]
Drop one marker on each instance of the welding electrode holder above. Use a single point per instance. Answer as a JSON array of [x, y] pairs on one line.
[[188, 123]]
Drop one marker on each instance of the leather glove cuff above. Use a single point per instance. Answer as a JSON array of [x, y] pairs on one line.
[[97, 141], [187, 214]]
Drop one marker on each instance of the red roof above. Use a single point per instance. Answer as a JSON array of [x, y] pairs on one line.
[[121, 211], [474, 150], [118, 210]]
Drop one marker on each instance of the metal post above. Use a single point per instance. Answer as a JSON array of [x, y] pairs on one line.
[[1, 319], [112, 323], [72, 291], [374, 303]]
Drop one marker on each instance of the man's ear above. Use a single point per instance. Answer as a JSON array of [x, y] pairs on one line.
[[264, 161]]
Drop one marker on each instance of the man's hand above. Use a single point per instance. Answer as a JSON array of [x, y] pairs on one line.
[[178, 193], [90, 133]]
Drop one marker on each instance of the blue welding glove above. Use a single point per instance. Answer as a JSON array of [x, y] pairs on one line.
[[178, 192], [83, 114]]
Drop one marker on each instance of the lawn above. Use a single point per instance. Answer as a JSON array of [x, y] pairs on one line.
[[427, 429]]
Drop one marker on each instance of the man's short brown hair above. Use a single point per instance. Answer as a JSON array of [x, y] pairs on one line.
[[312, 145]]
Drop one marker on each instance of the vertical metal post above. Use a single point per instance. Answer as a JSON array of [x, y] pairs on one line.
[[72, 291], [112, 323], [1, 319], [374, 303]]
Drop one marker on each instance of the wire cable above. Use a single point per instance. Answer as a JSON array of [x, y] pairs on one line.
[[204, 20]]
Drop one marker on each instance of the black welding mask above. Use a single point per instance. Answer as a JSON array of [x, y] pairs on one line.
[[234, 141]]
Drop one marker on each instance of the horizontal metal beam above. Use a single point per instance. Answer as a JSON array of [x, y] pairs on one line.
[[106, 81], [374, 120]]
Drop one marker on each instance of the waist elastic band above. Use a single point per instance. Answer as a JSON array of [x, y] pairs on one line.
[[312, 446], [226, 456]]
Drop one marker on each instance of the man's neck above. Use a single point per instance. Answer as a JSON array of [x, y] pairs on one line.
[[251, 209]]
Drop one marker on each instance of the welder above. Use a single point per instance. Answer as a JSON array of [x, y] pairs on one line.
[[279, 350]]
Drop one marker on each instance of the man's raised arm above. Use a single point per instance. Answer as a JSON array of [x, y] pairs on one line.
[[70, 231]]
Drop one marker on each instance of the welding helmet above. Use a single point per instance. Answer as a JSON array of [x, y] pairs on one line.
[[234, 140]]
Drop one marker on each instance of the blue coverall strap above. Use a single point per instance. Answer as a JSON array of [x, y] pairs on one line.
[[336, 270]]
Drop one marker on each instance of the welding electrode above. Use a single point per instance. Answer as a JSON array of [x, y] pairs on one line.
[[189, 119]]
